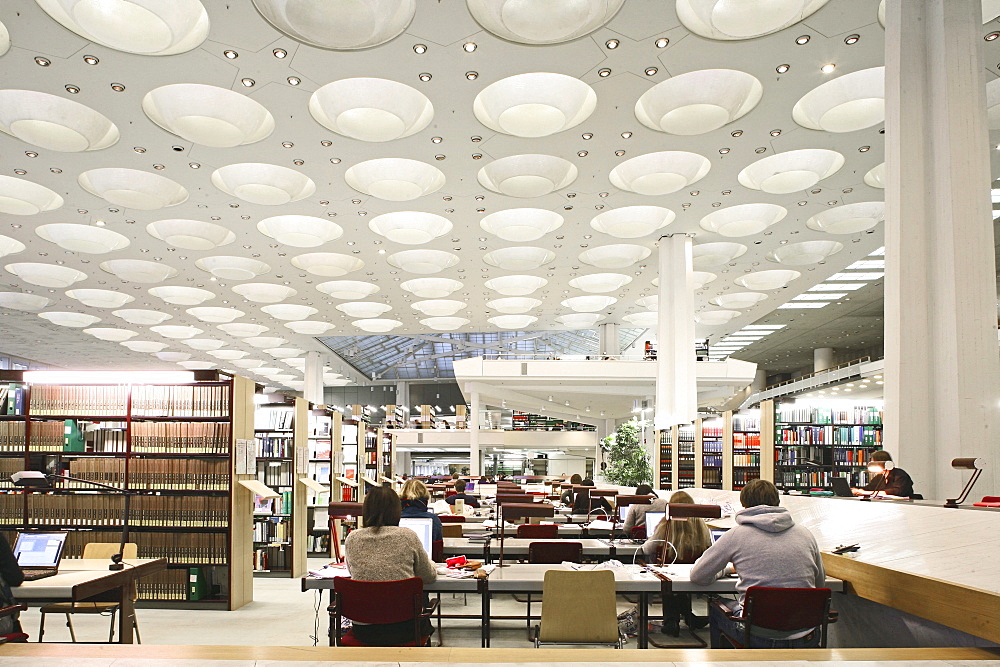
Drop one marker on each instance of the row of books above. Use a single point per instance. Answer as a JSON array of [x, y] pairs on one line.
[[50, 399], [318, 544], [166, 585], [797, 455], [790, 479], [746, 423], [269, 558], [179, 511], [175, 474], [711, 446], [180, 437], [800, 414], [12, 436], [194, 548], [109, 437], [180, 400], [742, 477], [9, 466], [271, 531], [711, 461], [829, 435], [746, 460], [12, 399], [275, 475], [711, 478], [269, 506], [711, 431], [73, 510], [745, 440], [851, 456], [273, 448], [273, 419], [320, 449]]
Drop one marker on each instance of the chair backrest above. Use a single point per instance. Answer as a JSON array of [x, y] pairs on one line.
[[451, 518], [555, 552], [548, 531], [101, 550], [451, 530], [622, 501], [437, 551], [514, 498], [579, 607], [786, 609], [990, 499], [379, 601], [638, 533]]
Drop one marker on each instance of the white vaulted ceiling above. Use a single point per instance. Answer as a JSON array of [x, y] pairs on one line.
[[254, 133]]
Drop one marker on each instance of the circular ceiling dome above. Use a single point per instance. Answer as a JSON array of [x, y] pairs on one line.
[[147, 346], [849, 218], [645, 319], [767, 280], [370, 109], [4, 39], [300, 231], [170, 355], [698, 102], [444, 323], [159, 28], [439, 307], [423, 261], [651, 302], [190, 234], [266, 184], [215, 314], [132, 188], [708, 255], [349, 289], [431, 288], [243, 330], [21, 301], [716, 317], [289, 311], [791, 171], [67, 319], [204, 344], [264, 292], [513, 321], [182, 296], [21, 197], [232, 268], [142, 316], [88, 239], [45, 275], [310, 327], [208, 115], [330, 264], [876, 176], [513, 305], [528, 175], [580, 320], [589, 304], [100, 298], [342, 25], [631, 222], [600, 282], [521, 225], [535, 104], [410, 227], [660, 173], [548, 22], [395, 179], [139, 270], [805, 252], [739, 300], [9, 246], [727, 20], [518, 285], [377, 325], [264, 342], [615, 256], [850, 102], [54, 122], [365, 310], [521, 258], [743, 219]]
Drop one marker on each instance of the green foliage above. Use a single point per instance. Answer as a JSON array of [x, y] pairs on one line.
[[628, 460]]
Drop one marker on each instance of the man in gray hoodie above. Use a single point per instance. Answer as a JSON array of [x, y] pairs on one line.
[[766, 548]]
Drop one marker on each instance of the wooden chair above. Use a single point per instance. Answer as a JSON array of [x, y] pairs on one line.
[[567, 593], [539, 531], [451, 518], [13, 637], [95, 605], [785, 610], [379, 602], [550, 553], [451, 530]]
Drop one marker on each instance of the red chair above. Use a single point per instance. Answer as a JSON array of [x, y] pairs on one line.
[[785, 610], [379, 602], [638, 532], [450, 493], [451, 518], [437, 551], [14, 637], [538, 531], [988, 501]]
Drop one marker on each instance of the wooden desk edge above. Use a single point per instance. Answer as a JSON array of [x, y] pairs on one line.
[[480, 656]]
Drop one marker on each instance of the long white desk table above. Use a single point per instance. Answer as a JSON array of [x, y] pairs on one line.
[[517, 547], [572, 530]]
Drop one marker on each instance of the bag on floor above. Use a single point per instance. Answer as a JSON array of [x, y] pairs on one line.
[[628, 621]]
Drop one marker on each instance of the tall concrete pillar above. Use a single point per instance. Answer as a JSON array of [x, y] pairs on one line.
[[822, 359], [608, 342], [474, 420], [676, 379], [312, 389], [759, 381], [942, 374]]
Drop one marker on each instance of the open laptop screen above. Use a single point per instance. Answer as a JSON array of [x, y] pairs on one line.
[[39, 549], [423, 528], [623, 512], [716, 534], [653, 519]]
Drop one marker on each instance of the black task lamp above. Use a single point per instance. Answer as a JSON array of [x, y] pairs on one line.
[[965, 464]]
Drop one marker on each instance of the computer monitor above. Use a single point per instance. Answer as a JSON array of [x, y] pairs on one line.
[[424, 530], [653, 519], [623, 512], [39, 549], [716, 534]]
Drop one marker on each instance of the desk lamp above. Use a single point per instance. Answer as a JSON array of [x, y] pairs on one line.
[[521, 511], [879, 468], [685, 511], [338, 511], [965, 464]]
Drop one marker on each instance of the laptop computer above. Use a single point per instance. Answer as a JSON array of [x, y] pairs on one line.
[[38, 554], [424, 530], [716, 534], [841, 487], [653, 519]]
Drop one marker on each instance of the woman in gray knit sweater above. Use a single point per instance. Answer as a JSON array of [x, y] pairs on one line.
[[383, 551]]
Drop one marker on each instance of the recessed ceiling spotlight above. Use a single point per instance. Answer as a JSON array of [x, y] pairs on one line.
[[604, 72], [864, 149], [852, 39], [582, 153], [44, 62], [469, 47], [194, 165], [294, 80], [31, 154], [990, 37], [55, 170], [159, 166], [420, 48], [802, 39], [91, 60], [760, 150], [736, 133], [424, 76], [232, 55], [248, 82], [118, 87], [326, 142], [439, 157], [298, 162], [70, 88], [619, 152], [139, 149], [827, 68], [587, 136], [335, 160], [662, 42], [611, 43], [775, 133], [436, 140], [626, 135], [279, 53], [471, 76], [20, 172], [781, 69], [476, 139], [650, 71], [287, 144], [723, 151]]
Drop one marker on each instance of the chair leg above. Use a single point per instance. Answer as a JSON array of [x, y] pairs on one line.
[[41, 628], [111, 633], [69, 624], [135, 628]]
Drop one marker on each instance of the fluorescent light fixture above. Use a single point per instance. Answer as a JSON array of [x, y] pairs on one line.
[[824, 296], [836, 287], [805, 304], [762, 327], [878, 253], [856, 276], [108, 377], [867, 264]]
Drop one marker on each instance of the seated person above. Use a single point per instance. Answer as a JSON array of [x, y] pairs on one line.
[[415, 497], [382, 551], [567, 496], [10, 571], [686, 541], [766, 548], [891, 482], [637, 513], [581, 506], [460, 494]]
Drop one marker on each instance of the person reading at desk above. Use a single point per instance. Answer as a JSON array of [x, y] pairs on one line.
[[383, 551], [10, 571], [567, 496], [581, 505], [415, 497], [887, 479], [637, 512], [460, 494], [766, 548]]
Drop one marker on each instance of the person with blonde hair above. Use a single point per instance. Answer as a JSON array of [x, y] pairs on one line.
[[414, 497], [680, 541]]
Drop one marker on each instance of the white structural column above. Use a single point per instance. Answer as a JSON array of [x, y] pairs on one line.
[[676, 375], [608, 343], [312, 389], [941, 364], [474, 458], [822, 359]]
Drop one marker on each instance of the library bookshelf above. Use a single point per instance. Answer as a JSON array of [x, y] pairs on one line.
[[665, 440], [324, 439], [180, 449]]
